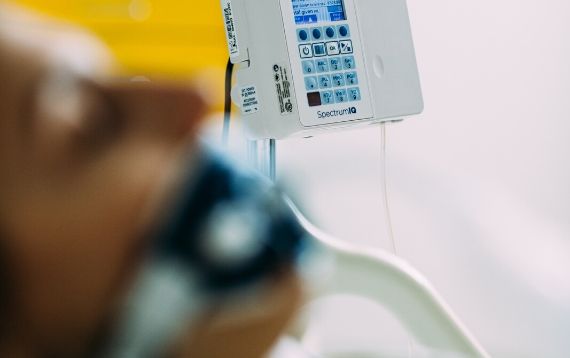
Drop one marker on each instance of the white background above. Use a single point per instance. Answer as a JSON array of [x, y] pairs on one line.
[[479, 184]]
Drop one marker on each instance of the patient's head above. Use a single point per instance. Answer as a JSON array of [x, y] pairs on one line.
[[86, 164], [83, 164]]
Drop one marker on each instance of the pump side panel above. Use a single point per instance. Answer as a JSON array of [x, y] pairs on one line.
[[265, 29], [390, 57]]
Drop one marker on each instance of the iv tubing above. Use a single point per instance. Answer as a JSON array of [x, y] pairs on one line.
[[385, 196]]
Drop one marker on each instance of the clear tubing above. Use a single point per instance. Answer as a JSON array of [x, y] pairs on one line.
[[384, 187], [386, 204]]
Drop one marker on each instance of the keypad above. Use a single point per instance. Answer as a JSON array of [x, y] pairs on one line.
[[329, 65]]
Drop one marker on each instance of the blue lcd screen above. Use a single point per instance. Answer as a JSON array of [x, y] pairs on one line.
[[315, 11]]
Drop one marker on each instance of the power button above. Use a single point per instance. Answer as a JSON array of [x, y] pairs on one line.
[[306, 51]]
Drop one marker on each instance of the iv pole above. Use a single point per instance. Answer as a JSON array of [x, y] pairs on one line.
[[381, 277]]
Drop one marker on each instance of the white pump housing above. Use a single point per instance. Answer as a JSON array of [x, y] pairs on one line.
[[304, 66]]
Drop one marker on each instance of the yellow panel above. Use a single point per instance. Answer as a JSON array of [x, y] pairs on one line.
[[168, 37]]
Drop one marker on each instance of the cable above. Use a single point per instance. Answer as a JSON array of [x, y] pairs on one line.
[[227, 103], [387, 212], [385, 196]]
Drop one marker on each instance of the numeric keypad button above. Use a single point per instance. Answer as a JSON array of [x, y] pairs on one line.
[[322, 65], [354, 94], [351, 78], [349, 63], [338, 80], [325, 81], [340, 96], [309, 67], [336, 64], [327, 97], [311, 83]]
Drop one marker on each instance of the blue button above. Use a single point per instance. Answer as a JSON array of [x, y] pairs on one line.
[[338, 80], [322, 65], [311, 83], [343, 31], [351, 78], [325, 81], [308, 67], [336, 64], [302, 35], [349, 63], [317, 34], [330, 32], [327, 97], [354, 94], [340, 96], [319, 50]]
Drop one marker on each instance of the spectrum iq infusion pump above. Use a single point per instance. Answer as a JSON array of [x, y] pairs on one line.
[[304, 66]]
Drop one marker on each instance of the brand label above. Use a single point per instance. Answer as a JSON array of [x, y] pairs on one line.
[[337, 112], [231, 33], [283, 88], [249, 100]]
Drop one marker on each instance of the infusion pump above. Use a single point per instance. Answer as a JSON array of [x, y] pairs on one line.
[[305, 66]]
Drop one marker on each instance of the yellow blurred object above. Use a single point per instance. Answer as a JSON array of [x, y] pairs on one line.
[[171, 38]]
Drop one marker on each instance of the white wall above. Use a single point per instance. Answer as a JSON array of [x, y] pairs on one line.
[[479, 183]]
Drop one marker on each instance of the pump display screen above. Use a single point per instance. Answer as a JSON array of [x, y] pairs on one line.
[[315, 11]]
